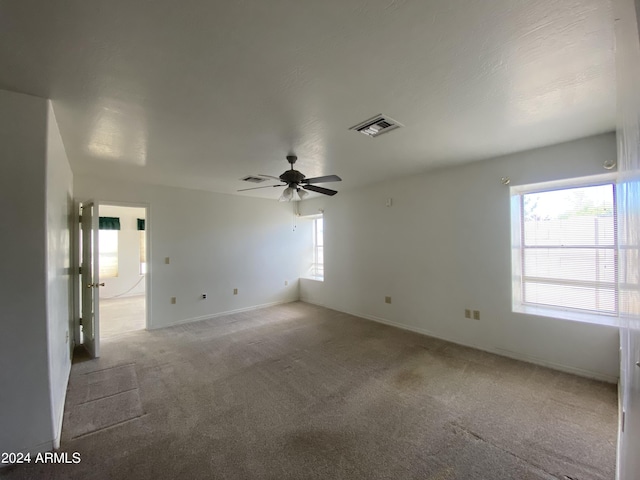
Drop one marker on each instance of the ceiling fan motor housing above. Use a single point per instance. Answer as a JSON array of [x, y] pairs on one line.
[[292, 177]]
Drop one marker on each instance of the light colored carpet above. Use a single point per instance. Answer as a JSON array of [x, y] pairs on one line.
[[101, 399], [299, 392], [102, 413], [121, 315]]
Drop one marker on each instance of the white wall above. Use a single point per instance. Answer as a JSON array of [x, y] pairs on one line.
[[215, 243], [60, 225], [129, 281], [35, 198], [443, 246]]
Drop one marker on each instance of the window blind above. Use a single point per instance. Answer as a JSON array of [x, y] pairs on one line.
[[568, 249], [108, 261]]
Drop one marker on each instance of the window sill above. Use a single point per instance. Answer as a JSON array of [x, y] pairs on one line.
[[571, 315], [315, 279]]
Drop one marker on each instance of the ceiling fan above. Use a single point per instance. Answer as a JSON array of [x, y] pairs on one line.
[[297, 182]]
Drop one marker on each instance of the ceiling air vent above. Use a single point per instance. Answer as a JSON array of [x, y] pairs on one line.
[[252, 179], [377, 126]]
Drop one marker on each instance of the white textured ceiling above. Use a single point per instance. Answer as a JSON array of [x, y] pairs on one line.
[[200, 93]]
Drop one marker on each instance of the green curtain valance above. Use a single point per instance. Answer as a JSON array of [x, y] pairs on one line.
[[141, 224], [109, 223]]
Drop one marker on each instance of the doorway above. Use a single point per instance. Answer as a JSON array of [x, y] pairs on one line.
[[113, 246], [122, 269]]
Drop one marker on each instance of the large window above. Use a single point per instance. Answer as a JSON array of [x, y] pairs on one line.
[[317, 268], [565, 248], [108, 261]]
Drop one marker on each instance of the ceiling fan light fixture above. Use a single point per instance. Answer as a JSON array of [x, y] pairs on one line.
[[302, 193], [287, 195]]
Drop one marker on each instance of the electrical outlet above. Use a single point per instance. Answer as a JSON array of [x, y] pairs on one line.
[[167, 260], [467, 313], [476, 314], [174, 300], [204, 296], [235, 291], [286, 282], [387, 299]]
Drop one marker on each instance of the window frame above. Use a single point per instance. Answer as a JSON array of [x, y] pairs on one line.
[[317, 267], [312, 271], [518, 251]]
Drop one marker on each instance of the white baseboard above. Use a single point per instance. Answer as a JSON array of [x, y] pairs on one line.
[[581, 372], [221, 314], [495, 350]]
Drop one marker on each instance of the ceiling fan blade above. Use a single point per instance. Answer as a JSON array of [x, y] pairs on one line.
[[269, 176], [255, 188], [322, 190], [326, 178]]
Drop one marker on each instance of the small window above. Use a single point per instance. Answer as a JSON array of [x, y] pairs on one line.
[[317, 267], [108, 246], [565, 249]]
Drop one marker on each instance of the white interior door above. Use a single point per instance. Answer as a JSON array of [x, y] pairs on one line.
[[627, 15], [90, 279], [630, 461]]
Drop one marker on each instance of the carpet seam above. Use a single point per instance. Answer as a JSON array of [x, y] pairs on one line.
[[109, 368], [110, 426], [108, 396], [508, 452]]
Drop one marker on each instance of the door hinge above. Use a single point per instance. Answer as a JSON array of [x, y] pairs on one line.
[[80, 322], [623, 419], [80, 219], [80, 270]]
